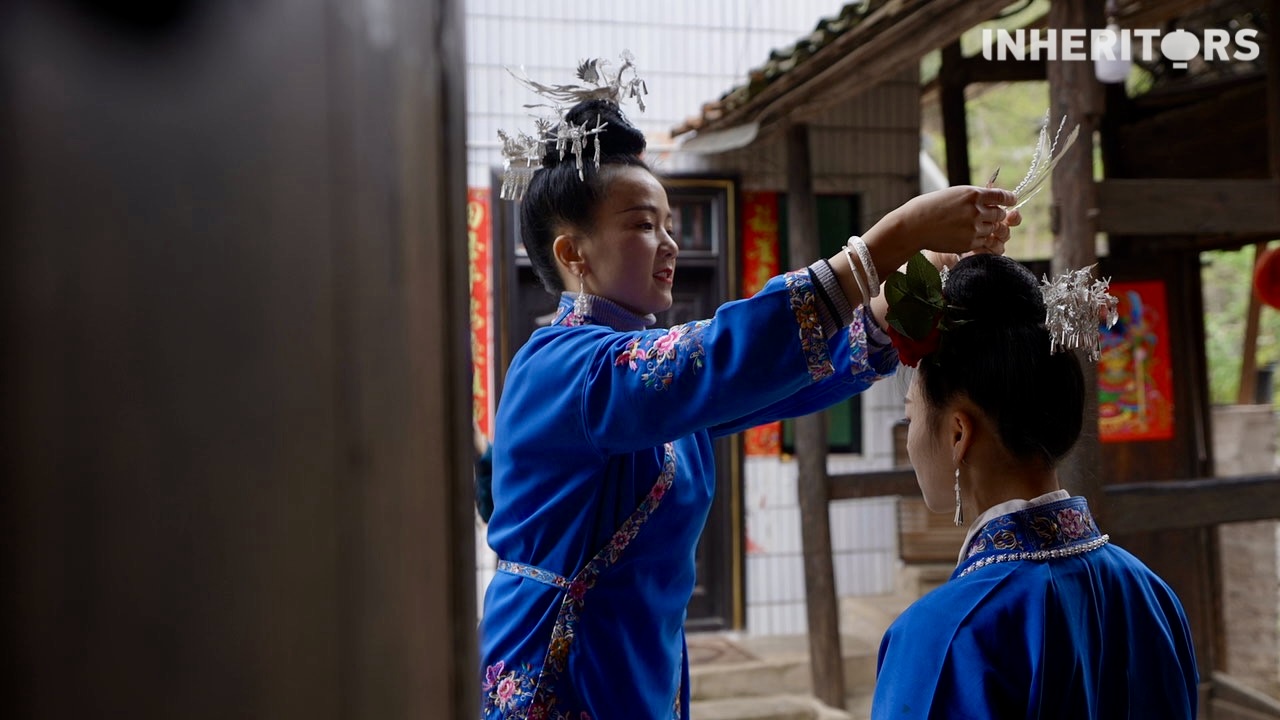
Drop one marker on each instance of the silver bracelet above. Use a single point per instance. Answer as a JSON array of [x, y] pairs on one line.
[[864, 254], [857, 276]]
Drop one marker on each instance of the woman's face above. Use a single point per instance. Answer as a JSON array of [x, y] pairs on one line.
[[630, 254], [930, 457]]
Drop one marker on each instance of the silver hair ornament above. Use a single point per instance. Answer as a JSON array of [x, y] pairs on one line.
[[1044, 158], [1075, 304], [522, 156]]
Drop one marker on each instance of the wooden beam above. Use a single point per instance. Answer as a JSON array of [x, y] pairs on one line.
[[1179, 504], [825, 660], [1181, 207], [1156, 14], [854, 486], [884, 43], [1134, 507], [982, 70]]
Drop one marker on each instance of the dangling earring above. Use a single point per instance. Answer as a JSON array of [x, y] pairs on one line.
[[580, 305], [959, 512]]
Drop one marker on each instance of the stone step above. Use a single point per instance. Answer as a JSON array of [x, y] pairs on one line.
[[782, 670], [731, 665]]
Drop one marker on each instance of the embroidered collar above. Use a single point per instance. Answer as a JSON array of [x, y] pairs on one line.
[[599, 311], [1005, 508], [1042, 532]]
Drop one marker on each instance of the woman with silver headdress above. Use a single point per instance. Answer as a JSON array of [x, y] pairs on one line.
[[1043, 617], [602, 456]]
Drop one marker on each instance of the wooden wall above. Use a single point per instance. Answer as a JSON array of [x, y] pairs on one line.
[[235, 439]]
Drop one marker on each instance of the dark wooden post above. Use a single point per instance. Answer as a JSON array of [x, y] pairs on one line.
[[826, 661], [955, 121], [236, 441], [1249, 364], [1076, 94], [1248, 389]]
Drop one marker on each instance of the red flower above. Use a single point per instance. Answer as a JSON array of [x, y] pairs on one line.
[[911, 352]]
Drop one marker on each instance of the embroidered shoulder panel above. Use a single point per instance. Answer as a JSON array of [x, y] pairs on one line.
[[659, 354]]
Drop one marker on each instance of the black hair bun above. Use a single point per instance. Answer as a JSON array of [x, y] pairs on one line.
[[618, 137], [995, 289]]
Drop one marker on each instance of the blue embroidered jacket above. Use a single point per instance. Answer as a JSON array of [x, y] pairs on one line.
[[603, 476], [1042, 619]]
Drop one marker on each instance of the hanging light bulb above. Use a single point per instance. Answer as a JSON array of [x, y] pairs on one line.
[[1111, 62]]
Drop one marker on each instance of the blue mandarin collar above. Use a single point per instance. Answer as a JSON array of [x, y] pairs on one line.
[[1041, 532], [600, 311]]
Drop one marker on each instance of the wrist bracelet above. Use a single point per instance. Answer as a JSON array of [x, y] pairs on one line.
[[857, 276], [864, 254]]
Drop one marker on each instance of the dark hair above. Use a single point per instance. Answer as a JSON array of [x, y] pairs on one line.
[[556, 197], [996, 351]]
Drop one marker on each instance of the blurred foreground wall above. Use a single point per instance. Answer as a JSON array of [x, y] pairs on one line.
[[235, 440]]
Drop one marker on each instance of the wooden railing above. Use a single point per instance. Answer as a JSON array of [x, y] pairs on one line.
[[1135, 507]]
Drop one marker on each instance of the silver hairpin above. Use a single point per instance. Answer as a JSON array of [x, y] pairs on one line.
[[1044, 159], [1075, 304], [522, 154]]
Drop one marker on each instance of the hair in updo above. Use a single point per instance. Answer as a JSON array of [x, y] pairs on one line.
[[556, 197], [996, 351]]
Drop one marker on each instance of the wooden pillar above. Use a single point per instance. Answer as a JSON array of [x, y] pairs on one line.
[[236, 438], [826, 661], [1075, 93], [955, 121], [1249, 353], [1248, 389], [1273, 93]]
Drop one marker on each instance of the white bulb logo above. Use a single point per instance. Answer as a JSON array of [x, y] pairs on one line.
[[1180, 46]]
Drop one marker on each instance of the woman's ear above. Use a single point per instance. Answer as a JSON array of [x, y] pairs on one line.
[[961, 429], [568, 256]]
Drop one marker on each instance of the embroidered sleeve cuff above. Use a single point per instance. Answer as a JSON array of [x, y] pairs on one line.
[[877, 338], [833, 297]]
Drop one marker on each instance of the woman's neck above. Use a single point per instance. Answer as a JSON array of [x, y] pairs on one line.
[[988, 481]]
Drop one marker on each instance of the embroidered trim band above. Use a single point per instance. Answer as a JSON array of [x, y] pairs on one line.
[[1039, 555], [545, 577]]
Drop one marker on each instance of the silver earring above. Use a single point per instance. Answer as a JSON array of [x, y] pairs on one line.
[[580, 306], [959, 513]]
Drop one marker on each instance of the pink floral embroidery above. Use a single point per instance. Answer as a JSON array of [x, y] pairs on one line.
[[1073, 523], [658, 356], [507, 688], [577, 590], [507, 693], [666, 345]]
